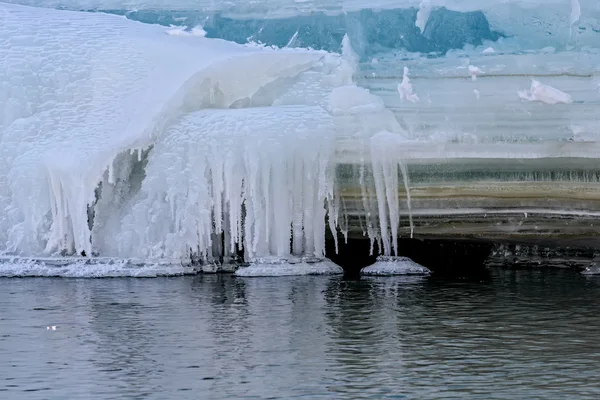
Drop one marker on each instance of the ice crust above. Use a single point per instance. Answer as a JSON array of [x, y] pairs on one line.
[[389, 266], [291, 267], [88, 268]]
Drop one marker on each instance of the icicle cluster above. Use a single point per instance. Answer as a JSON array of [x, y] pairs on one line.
[[261, 177], [386, 162]]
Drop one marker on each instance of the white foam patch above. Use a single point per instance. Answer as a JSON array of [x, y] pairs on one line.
[[388, 266], [289, 267], [89, 268]]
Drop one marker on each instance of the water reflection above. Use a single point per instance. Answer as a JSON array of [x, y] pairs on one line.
[[519, 334]]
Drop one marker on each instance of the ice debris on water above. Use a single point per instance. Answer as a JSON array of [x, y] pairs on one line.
[[390, 266], [544, 93], [405, 89], [474, 72], [489, 50], [51, 328]]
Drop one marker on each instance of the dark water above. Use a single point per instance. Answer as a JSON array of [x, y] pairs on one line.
[[521, 334]]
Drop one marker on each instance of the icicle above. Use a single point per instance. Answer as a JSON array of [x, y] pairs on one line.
[[405, 177], [298, 206]]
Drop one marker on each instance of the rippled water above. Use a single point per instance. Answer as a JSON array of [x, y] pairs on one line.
[[519, 334]]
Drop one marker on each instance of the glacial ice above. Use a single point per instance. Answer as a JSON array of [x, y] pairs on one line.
[[80, 98], [167, 140]]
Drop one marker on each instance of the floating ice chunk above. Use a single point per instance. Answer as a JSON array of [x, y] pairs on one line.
[[182, 31], [289, 267], [489, 50], [354, 100], [477, 94], [51, 328], [389, 266], [423, 14], [545, 94], [374, 61], [405, 88], [474, 71]]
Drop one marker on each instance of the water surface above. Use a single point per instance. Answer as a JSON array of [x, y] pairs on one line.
[[520, 334]]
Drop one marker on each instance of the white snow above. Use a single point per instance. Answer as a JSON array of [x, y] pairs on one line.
[[545, 94], [389, 266], [182, 31], [405, 89], [423, 14]]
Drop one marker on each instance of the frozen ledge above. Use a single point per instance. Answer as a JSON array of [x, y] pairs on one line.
[[290, 267], [389, 266], [89, 268]]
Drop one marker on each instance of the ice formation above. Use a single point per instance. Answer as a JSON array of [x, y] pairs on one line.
[[545, 94], [390, 266], [387, 163], [405, 89], [474, 72], [423, 14], [118, 161], [182, 31], [164, 143], [292, 266]]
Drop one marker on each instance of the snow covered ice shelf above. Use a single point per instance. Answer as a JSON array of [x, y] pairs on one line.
[[443, 118]]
